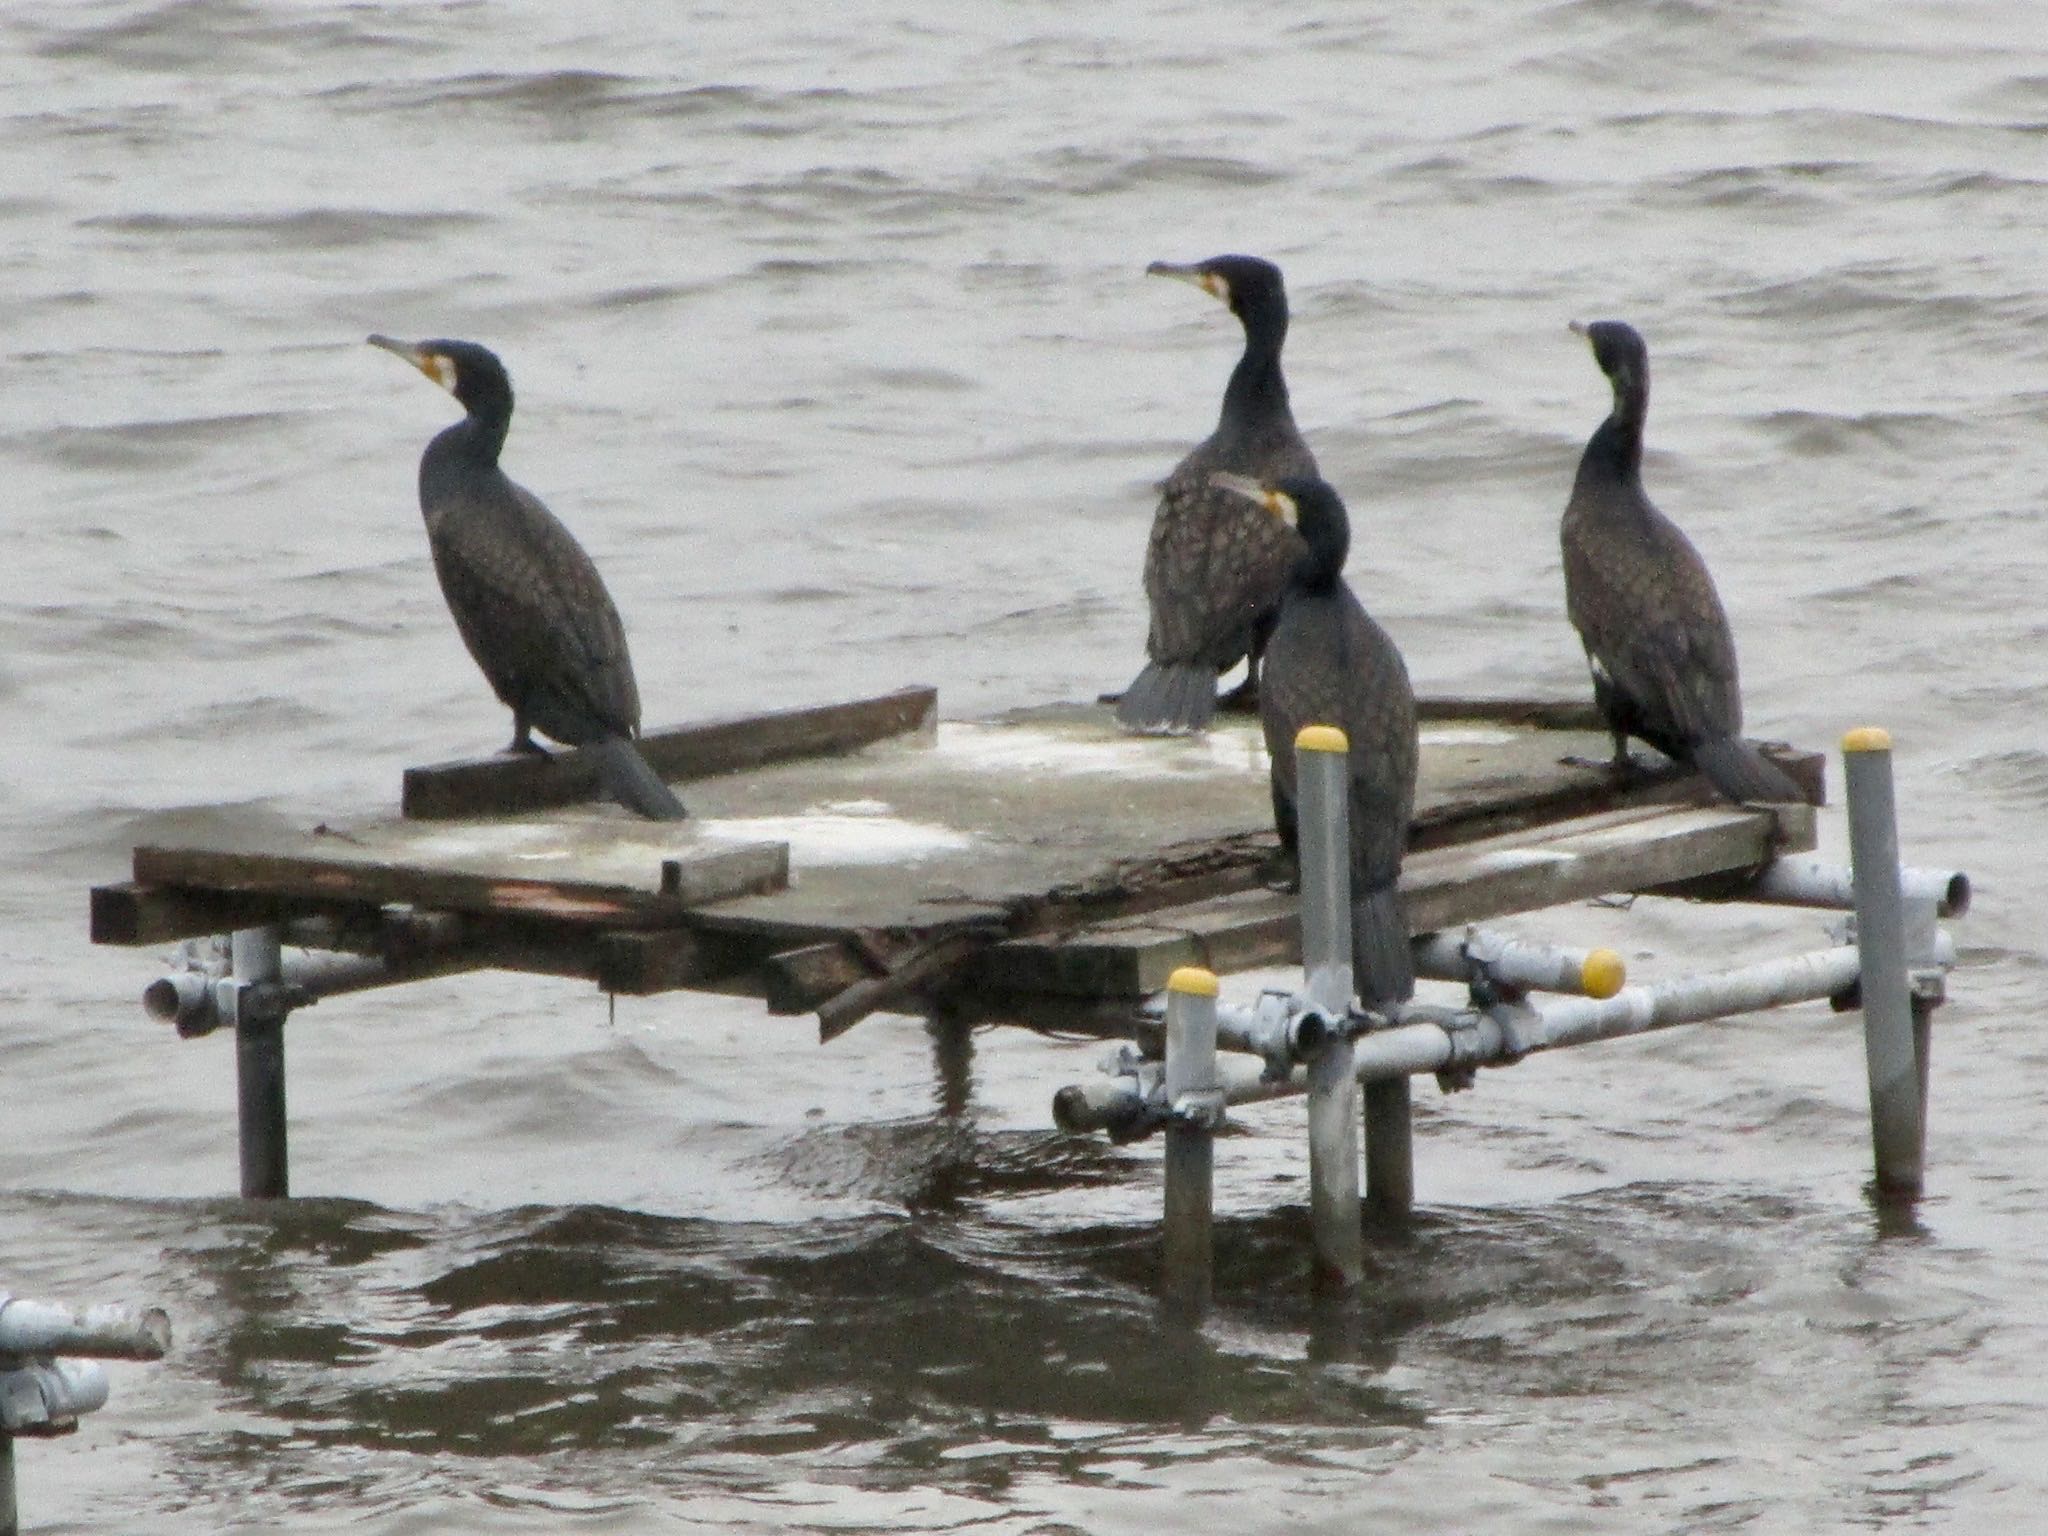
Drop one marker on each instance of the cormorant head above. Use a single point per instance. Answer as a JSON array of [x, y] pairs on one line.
[[1619, 350], [472, 374], [1248, 284], [1312, 508]]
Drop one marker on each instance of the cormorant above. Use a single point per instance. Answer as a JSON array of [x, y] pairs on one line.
[[530, 605], [1656, 636], [1214, 567], [1329, 663]]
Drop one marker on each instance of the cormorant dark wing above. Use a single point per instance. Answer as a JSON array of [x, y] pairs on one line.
[[1654, 631], [1215, 564], [534, 612]]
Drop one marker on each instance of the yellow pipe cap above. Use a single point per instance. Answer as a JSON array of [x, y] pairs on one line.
[[1867, 738], [1321, 738], [1603, 973], [1193, 981]]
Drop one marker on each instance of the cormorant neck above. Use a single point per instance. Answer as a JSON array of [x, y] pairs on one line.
[[480, 436], [1257, 391], [1617, 443], [1321, 566]]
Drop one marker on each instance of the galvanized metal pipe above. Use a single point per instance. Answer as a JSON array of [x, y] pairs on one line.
[[1190, 1142], [49, 1396], [259, 1066], [1897, 1127], [1389, 1149], [1802, 880], [1322, 773], [191, 999], [105, 1333], [1480, 953], [1323, 790], [1550, 1024]]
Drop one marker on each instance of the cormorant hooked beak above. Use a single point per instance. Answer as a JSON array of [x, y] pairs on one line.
[[1577, 328], [1279, 503], [435, 365], [1211, 283]]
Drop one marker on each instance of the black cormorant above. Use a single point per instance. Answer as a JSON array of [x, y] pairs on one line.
[[1329, 663], [1214, 566], [1656, 636], [530, 605]]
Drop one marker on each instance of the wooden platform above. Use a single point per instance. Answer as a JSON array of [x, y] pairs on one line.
[[843, 857]]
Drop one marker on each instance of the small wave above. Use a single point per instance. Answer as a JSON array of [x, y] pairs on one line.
[[1095, 176], [1818, 434], [147, 445], [1896, 295], [2019, 775], [832, 193], [562, 97], [312, 229], [643, 296]]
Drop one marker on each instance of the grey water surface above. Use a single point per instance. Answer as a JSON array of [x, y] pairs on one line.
[[833, 343]]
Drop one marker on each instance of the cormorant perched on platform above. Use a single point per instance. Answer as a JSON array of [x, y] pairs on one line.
[[1329, 663], [530, 605], [1638, 593], [1214, 567]]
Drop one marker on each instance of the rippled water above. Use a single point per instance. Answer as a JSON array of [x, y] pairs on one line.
[[832, 343]]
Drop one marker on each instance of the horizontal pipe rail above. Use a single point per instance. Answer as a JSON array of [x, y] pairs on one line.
[[1482, 954], [47, 1397], [104, 1333], [1805, 881], [1422, 1043], [192, 999]]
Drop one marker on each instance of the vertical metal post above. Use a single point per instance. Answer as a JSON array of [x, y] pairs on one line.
[[1896, 1124], [1389, 1150], [257, 957], [1190, 1144], [1322, 818], [1322, 803], [10, 1513]]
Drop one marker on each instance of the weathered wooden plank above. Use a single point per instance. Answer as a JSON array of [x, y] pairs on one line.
[[1590, 856], [641, 962], [332, 871], [1544, 714], [506, 784], [798, 980], [130, 912], [930, 963]]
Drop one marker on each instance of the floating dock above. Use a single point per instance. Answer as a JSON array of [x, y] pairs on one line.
[[1040, 868]]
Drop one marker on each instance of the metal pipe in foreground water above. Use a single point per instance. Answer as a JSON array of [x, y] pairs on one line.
[[1892, 1059], [1322, 770], [1194, 1108], [41, 1395]]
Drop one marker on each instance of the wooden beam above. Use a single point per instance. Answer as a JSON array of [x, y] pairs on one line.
[[642, 962], [709, 874], [505, 783], [133, 912], [799, 980], [923, 966], [1545, 714], [1622, 850]]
